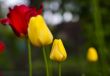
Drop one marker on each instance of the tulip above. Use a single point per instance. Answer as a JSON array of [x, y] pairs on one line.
[[58, 52], [2, 47], [18, 18], [92, 54], [38, 32]]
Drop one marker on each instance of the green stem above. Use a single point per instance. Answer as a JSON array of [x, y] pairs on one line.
[[29, 57], [59, 69], [46, 62], [99, 32]]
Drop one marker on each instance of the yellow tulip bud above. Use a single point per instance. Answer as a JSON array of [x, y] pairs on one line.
[[58, 52], [92, 54], [38, 32]]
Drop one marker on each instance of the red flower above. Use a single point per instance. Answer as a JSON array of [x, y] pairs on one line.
[[18, 18], [2, 47]]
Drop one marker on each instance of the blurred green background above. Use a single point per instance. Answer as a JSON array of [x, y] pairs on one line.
[[79, 23]]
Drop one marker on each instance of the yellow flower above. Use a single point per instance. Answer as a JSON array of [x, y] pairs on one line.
[[38, 32], [92, 54], [58, 52]]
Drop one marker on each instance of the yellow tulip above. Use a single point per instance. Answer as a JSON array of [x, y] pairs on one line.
[[92, 54], [38, 32], [58, 52]]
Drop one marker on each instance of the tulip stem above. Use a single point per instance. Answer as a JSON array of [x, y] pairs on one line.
[[29, 57], [46, 62], [59, 68]]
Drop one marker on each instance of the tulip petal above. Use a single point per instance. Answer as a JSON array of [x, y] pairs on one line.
[[58, 52], [4, 21], [38, 27], [62, 49], [55, 53], [32, 32], [18, 18], [17, 23], [92, 54]]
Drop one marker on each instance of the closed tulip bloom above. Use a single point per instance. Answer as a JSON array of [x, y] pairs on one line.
[[92, 54], [38, 32], [58, 52], [2, 47]]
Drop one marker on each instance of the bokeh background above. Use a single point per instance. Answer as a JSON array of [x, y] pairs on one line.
[[79, 23]]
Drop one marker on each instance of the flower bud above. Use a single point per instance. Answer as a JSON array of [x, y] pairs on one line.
[[38, 32], [58, 52], [92, 54]]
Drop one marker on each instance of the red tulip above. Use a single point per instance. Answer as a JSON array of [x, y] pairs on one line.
[[18, 18], [2, 46]]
